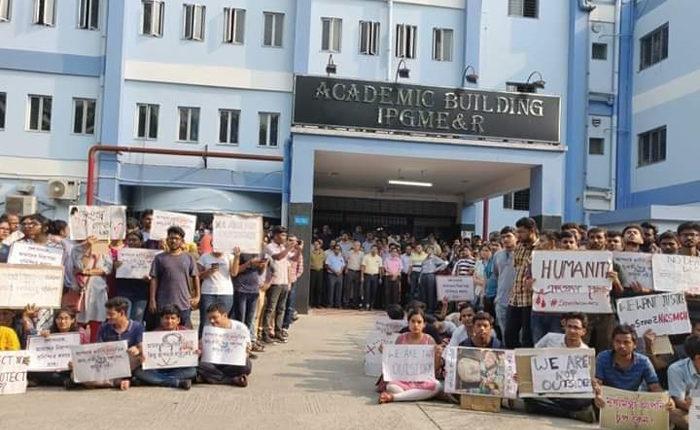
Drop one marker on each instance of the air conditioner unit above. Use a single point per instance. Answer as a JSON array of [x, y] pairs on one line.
[[23, 205], [64, 189]]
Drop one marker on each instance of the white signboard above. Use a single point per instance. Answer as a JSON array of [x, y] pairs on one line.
[[676, 273], [387, 325], [225, 346], [455, 288], [663, 313], [562, 373], [51, 353], [99, 362], [23, 284], [29, 253], [103, 222], [694, 412], [566, 281], [635, 269], [163, 220], [408, 362], [243, 231], [170, 349], [13, 372], [135, 262]]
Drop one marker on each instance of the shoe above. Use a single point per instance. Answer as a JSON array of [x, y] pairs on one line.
[[586, 415], [185, 384], [295, 316], [267, 339], [280, 339], [285, 333], [257, 348]]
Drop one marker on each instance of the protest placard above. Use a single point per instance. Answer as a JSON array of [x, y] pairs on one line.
[[634, 268], [455, 288], [528, 387], [226, 346], [51, 353], [480, 372], [99, 362], [558, 372], [103, 222], [21, 284], [237, 230], [676, 273], [663, 313], [374, 345], [567, 281], [634, 410], [170, 349], [135, 263], [408, 362], [13, 372], [694, 412], [163, 220], [30, 253]]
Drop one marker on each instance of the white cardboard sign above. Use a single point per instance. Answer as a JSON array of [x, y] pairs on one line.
[[13, 372], [23, 284], [170, 349], [103, 222], [226, 346], [163, 220], [676, 273], [408, 362], [135, 262], [243, 231], [455, 288], [98, 362], [51, 353], [30, 253], [663, 313], [562, 373], [635, 267]]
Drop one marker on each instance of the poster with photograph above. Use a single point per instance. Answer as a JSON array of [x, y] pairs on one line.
[[481, 372], [103, 222]]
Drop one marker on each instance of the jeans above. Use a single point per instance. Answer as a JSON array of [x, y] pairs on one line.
[[137, 308], [518, 319], [428, 291], [289, 310], [276, 301], [316, 288], [541, 324], [352, 289], [392, 290], [208, 300], [555, 407], [53, 379], [223, 373], [501, 319], [414, 291], [370, 285], [245, 306], [165, 377], [334, 289]]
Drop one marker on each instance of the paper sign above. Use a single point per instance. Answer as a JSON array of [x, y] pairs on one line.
[[455, 288], [243, 231], [634, 268], [694, 412], [103, 222], [225, 346], [634, 410], [170, 349], [163, 220], [480, 372], [408, 362], [663, 313], [374, 345], [567, 281], [387, 325], [676, 273], [23, 284], [528, 387], [135, 262], [51, 353], [99, 362], [561, 373], [13, 372], [29, 253]]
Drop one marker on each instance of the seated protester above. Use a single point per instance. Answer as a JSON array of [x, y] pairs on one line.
[[180, 377], [684, 377], [395, 312], [9, 341], [444, 328], [482, 334], [466, 318], [575, 325], [227, 374], [404, 391], [427, 329]]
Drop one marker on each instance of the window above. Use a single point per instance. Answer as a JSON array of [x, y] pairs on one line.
[[523, 8], [596, 146], [274, 28], [653, 48], [234, 27], [4, 10], [89, 14], [652, 147], [228, 125], [3, 108], [152, 24], [193, 26], [39, 113], [147, 122], [369, 38], [331, 30], [442, 44], [519, 200], [406, 40], [268, 129], [44, 13], [599, 51], [84, 116], [188, 131]]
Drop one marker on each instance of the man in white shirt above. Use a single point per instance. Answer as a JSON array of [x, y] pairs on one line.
[[278, 251], [352, 288], [215, 269]]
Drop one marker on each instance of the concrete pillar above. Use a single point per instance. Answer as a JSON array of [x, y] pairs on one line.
[[546, 191]]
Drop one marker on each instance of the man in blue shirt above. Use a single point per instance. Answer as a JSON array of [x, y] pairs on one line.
[[335, 265], [683, 378]]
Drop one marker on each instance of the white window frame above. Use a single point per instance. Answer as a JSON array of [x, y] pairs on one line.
[[44, 13], [3, 111], [86, 102], [188, 111], [147, 125], [370, 30], [40, 113], [229, 115], [443, 52], [335, 28], [273, 32], [267, 116], [5, 10], [155, 26], [193, 21], [406, 41], [516, 8], [89, 14], [234, 25]]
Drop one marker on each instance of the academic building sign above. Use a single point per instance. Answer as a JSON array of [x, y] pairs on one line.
[[367, 105]]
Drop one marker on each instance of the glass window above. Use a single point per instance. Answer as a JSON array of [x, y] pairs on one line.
[[39, 113], [331, 30], [89, 14], [84, 116], [152, 24], [274, 28], [596, 146], [234, 30], [269, 124], [442, 44], [228, 126], [147, 121], [369, 38], [599, 51], [653, 47], [193, 26], [44, 12], [188, 131]]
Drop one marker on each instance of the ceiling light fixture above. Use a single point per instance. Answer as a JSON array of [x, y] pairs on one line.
[[409, 183]]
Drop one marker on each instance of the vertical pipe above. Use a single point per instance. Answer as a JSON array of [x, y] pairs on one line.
[[390, 25], [485, 230]]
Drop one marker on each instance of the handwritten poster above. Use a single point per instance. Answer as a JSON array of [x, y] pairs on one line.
[[480, 372], [634, 268], [567, 281], [634, 410], [170, 349], [694, 412], [226, 346], [374, 345], [243, 231], [163, 220], [135, 262], [51, 353], [455, 288], [98, 362], [676, 273], [569, 372], [664, 313], [524, 366], [103, 222], [408, 362], [387, 325], [29, 253], [22, 284], [13, 372]]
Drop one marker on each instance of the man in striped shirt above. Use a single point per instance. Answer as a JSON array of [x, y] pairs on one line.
[[465, 265]]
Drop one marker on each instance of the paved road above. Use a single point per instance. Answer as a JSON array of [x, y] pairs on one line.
[[314, 382]]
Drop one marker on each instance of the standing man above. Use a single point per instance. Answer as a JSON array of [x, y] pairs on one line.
[[417, 257], [406, 274], [614, 241], [504, 272], [317, 260], [296, 268], [352, 287], [392, 284], [276, 296], [649, 232], [689, 235], [370, 271], [520, 304], [345, 244], [430, 266], [668, 242], [335, 266]]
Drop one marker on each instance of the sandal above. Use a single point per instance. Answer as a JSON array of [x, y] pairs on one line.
[[240, 381]]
